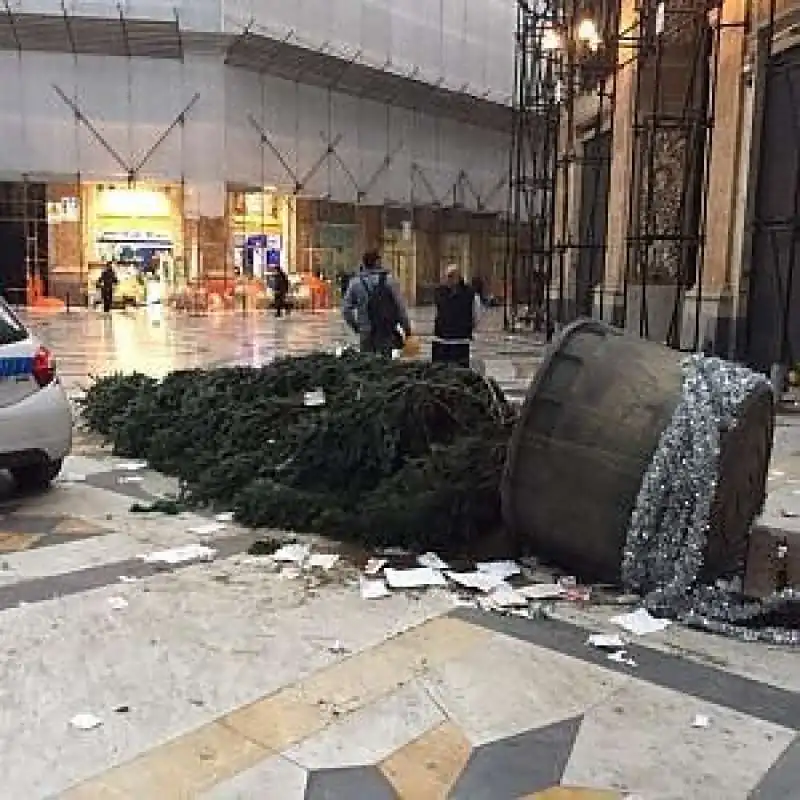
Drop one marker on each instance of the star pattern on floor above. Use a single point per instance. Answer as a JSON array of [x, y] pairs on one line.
[[443, 764]]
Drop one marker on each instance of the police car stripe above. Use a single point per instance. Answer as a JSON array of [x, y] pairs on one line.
[[15, 367]]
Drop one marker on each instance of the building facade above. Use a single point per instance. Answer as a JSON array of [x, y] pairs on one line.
[[209, 140], [657, 170]]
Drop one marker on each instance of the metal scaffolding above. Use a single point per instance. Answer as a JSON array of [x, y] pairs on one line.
[[569, 56], [565, 84], [676, 73]]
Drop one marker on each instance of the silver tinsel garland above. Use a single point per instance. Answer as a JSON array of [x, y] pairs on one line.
[[666, 540]]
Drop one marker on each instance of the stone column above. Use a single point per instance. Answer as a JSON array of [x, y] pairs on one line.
[[67, 275], [305, 216], [621, 162], [206, 231], [714, 299], [370, 228]]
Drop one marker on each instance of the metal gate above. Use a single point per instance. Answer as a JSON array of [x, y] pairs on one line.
[[773, 325]]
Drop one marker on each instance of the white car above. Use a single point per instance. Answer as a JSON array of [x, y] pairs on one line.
[[35, 414]]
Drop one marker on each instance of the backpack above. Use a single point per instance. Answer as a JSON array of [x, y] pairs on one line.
[[382, 311]]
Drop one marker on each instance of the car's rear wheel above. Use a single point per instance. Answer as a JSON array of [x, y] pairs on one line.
[[36, 477]]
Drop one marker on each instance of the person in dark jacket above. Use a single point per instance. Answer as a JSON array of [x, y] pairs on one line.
[[106, 283], [457, 313], [373, 307], [281, 292]]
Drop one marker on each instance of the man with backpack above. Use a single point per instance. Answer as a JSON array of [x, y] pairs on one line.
[[374, 309]]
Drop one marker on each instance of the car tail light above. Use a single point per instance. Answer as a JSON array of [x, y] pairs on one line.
[[44, 367]]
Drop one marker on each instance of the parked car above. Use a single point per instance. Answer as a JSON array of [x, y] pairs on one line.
[[35, 414]]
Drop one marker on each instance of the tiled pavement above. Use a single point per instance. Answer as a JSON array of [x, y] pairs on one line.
[[227, 680]]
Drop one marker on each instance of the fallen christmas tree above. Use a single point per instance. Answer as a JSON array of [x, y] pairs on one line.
[[355, 447]]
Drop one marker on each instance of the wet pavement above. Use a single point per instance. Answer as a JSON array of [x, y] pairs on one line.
[[236, 679]]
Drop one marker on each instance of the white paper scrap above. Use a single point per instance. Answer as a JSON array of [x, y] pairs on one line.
[[506, 597], [225, 516], [118, 603], [187, 554], [290, 573], [85, 722], [314, 399], [208, 529], [701, 721], [543, 591], [480, 581], [621, 657], [606, 641], [292, 553], [416, 578], [432, 560], [71, 477], [127, 579], [374, 566], [132, 466], [373, 590], [502, 569], [640, 622], [323, 561], [130, 479]]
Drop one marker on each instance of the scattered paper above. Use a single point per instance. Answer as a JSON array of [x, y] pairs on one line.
[[542, 591], [187, 554], [374, 566], [640, 622], [85, 722], [417, 578], [208, 529], [506, 597], [431, 560], [481, 581], [130, 479], [292, 553], [314, 399], [132, 466], [502, 569], [337, 647], [621, 657], [701, 721], [462, 602], [323, 561], [225, 516], [606, 641], [373, 590], [118, 603], [127, 579]]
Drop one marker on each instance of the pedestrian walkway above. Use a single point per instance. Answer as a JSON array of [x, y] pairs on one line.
[[236, 679]]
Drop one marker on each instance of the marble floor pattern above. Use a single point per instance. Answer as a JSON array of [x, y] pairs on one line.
[[226, 680]]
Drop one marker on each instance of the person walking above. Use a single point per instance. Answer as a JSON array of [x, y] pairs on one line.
[[374, 308], [281, 292], [106, 283], [458, 309]]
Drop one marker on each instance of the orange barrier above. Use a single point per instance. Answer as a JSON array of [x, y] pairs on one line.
[[35, 296]]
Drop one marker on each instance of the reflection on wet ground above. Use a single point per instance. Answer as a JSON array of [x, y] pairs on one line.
[[155, 341]]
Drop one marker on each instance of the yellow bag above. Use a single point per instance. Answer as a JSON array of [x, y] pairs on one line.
[[411, 347]]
